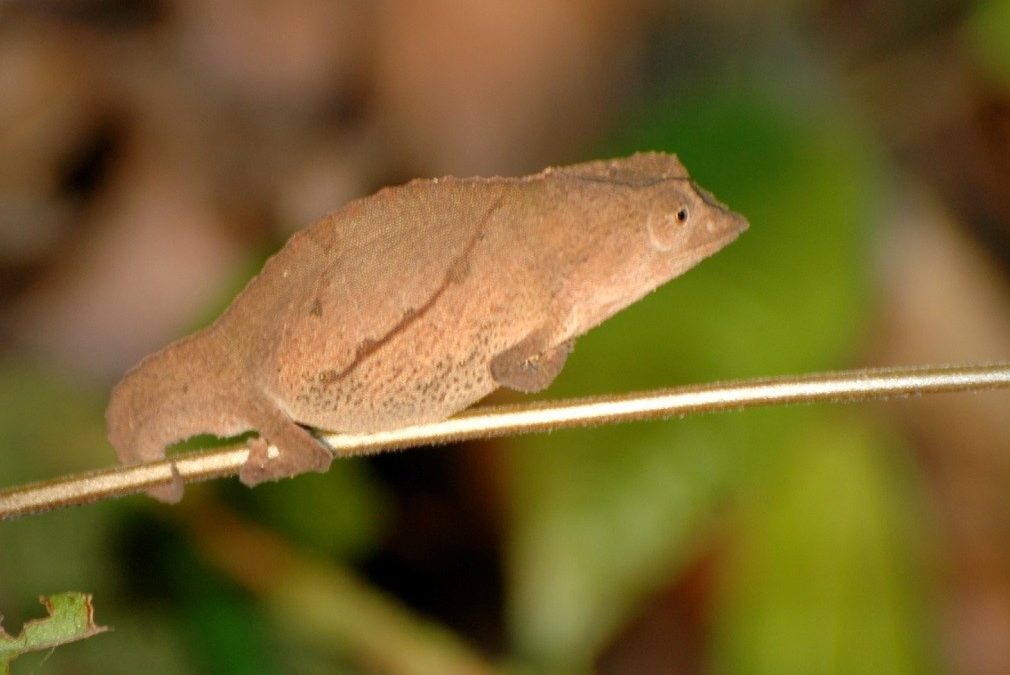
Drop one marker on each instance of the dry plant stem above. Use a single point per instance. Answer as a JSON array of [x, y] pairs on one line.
[[324, 604], [859, 385]]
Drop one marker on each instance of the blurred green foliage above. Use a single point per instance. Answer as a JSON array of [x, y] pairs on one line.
[[42, 409], [989, 37], [602, 516], [825, 577], [341, 512]]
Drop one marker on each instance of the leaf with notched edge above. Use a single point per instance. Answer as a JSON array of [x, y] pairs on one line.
[[71, 617]]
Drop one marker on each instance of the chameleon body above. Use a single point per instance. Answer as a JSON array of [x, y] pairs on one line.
[[411, 304]]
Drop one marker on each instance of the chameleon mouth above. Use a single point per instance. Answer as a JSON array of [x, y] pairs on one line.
[[719, 233], [723, 225], [702, 251], [731, 225]]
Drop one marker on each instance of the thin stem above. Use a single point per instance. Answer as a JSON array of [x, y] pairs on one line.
[[489, 422]]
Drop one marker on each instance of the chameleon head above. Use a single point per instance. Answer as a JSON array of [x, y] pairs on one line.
[[654, 233], [683, 221], [645, 214], [676, 225]]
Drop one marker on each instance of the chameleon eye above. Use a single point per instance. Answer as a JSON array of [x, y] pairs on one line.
[[666, 227]]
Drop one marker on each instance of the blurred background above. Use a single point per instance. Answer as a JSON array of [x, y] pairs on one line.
[[153, 153]]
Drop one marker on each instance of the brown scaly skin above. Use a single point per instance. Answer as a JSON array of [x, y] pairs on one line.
[[410, 305]]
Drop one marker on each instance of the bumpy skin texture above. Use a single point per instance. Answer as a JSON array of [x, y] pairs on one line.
[[410, 305]]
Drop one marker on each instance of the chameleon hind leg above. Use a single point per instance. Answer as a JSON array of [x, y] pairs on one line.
[[295, 450]]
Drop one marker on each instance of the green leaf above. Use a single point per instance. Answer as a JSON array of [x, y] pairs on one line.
[[71, 618]]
